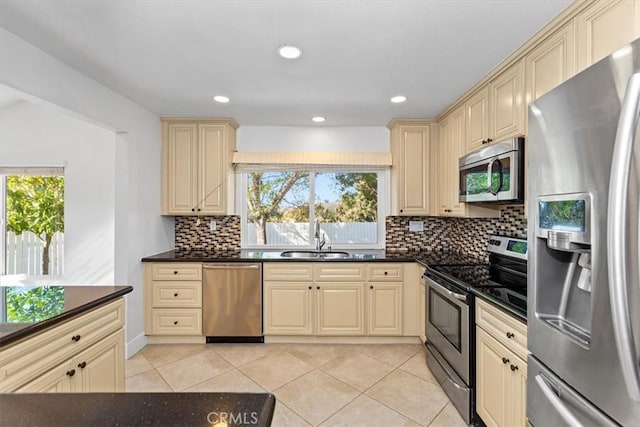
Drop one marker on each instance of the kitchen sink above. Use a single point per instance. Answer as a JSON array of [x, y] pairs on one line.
[[314, 254]]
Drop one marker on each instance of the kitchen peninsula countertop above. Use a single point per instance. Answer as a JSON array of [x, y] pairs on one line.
[[72, 301], [424, 258], [137, 409]]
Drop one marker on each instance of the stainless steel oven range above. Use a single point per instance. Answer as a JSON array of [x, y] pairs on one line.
[[450, 317]]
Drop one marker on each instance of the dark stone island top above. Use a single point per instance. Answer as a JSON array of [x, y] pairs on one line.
[[425, 258], [137, 409], [49, 305]]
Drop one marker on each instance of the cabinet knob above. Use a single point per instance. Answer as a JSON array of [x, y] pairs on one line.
[[514, 368], [371, 287], [317, 287], [386, 272], [71, 373], [82, 365], [310, 287], [175, 322], [484, 141], [175, 295], [75, 338], [175, 272], [199, 209], [505, 360], [401, 210], [489, 140], [510, 335], [193, 209]]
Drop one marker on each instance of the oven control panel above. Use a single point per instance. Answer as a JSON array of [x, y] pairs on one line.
[[509, 246]]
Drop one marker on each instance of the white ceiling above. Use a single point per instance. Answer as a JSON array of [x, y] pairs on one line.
[[172, 56]]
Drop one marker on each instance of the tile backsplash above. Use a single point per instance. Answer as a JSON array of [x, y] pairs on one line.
[[194, 237], [466, 235]]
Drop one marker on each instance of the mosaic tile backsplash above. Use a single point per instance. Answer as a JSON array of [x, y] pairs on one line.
[[464, 235], [191, 237]]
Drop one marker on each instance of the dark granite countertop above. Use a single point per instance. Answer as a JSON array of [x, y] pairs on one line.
[[424, 258], [50, 305], [137, 409]]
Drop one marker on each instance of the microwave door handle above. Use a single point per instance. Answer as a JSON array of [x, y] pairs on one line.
[[492, 190], [617, 241]]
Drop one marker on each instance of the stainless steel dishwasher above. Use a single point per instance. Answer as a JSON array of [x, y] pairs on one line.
[[232, 302]]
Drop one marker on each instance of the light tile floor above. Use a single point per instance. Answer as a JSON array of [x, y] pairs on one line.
[[314, 384]]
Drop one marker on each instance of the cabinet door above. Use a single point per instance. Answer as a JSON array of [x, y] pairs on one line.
[[506, 108], [443, 166], [456, 149], [181, 169], [385, 308], [492, 380], [550, 63], [56, 380], [414, 185], [100, 368], [212, 194], [287, 308], [518, 403], [604, 27], [340, 308], [477, 124]]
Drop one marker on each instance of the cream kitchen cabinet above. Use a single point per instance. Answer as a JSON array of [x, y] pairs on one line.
[[197, 174], [332, 299], [173, 298], [603, 27], [501, 370], [496, 111], [410, 150], [84, 354], [450, 148]]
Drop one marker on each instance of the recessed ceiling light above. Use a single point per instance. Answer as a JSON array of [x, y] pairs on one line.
[[318, 119], [289, 52], [398, 99], [221, 99]]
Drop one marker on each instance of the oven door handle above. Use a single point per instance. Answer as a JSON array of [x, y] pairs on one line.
[[442, 289]]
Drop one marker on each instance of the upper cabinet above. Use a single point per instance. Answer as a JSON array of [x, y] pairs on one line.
[[603, 27], [197, 174], [496, 111], [411, 147]]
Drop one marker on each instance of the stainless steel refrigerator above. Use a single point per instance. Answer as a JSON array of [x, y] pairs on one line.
[[583, 279]]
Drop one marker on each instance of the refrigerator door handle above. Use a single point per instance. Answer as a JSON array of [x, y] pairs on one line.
[[556, 402], [617, 237]]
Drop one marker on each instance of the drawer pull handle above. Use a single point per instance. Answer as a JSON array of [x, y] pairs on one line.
[[82, 365], [71, 373], [175, 295], [175, 322], [514, 368], [510, 335], [75, 338], [505, 360]]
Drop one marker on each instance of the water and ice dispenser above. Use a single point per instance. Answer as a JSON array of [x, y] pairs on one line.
[[563, 265]]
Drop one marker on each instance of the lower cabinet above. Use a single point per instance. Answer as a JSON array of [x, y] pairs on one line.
[[343, 303], [100, 368]]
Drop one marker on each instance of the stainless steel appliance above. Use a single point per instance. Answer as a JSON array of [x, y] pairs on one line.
[[494, 173], [232, 302], [450, 313], [584, 283]]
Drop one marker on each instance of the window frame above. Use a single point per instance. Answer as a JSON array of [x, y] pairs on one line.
[[384, 208]]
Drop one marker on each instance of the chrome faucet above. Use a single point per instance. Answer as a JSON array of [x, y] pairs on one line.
[[319, 235]]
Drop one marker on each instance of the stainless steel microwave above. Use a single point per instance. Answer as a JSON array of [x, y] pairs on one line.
[[493, 174]]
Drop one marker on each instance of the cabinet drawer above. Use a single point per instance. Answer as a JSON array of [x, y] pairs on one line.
[[176, 271], [329, 272], [385, 272], [176, 294], [503, 327], [176, 321], [288, 272], [30, 358]]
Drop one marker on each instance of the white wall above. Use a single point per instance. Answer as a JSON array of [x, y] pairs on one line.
[[342, 139], [35, 136], [138, 227]]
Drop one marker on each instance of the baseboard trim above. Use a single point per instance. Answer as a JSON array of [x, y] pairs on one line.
[[295, 339], [176, 339], [135, 345]]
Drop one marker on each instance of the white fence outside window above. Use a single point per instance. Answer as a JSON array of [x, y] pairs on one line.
[[297, 233], [24, 253]]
